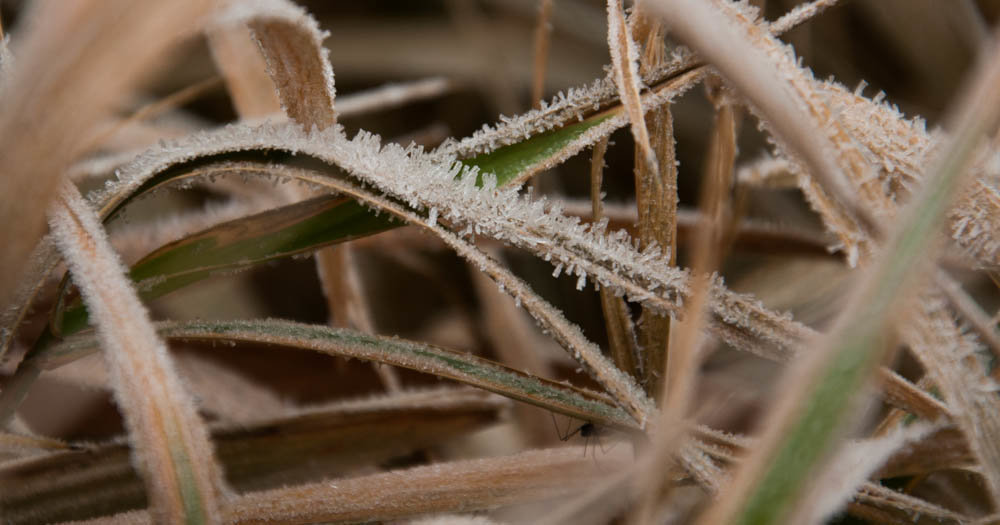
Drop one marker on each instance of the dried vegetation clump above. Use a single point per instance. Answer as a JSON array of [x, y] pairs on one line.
[[684, 281]]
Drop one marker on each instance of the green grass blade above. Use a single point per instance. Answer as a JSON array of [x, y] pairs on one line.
[[282, 232], [442, 362], [509, 162], [233, 245]]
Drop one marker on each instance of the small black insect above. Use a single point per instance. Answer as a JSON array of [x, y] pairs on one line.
[[587, 430]]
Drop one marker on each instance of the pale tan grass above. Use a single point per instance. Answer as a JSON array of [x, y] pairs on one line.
[[625, 60], [171, 445], [448, 487], [73, 64]]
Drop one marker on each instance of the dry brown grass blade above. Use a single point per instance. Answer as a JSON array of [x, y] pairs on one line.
[[763, 70], [292, 45], [625, 61], [680, 374], [304, 445], [905, 395], [74, 63], [343, 289], [171, 445], [896, 507], [344, 292], [543, 31], [944, 449], [465, 485], [656, 199], [904, 148], [294, 60], [460, 486], [705, 259], [617, 319]]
